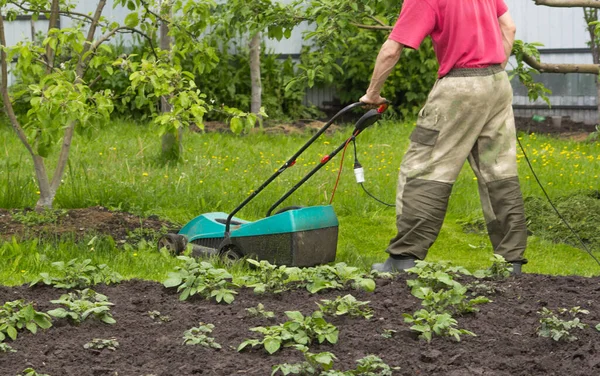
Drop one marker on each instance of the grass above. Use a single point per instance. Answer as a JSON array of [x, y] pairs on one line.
[[118, 168]]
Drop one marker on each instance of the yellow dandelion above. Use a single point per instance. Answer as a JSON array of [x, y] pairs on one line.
[[145, 174]]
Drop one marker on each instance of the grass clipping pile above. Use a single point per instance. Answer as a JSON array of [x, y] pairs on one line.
[[328, 320]]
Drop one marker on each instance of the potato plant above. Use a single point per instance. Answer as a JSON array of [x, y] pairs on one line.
[[200, 336], [5, 347], [17, 315], [78, 274], [99, 344], [201, 278], [552, 326], [299, 330], [313, 364], [337, 276], [347, 305], [82, 304], [266, 277], [500, 269], [259, 311], [32, 372], [428, 323]]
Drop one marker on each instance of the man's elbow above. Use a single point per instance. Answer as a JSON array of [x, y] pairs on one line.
[[391, 50]]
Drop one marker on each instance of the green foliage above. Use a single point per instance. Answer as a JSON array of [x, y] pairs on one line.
[[500, 269], [17, 315], [335, 277], [299, 330], [552, 326], [313, 364], [200, 336], [99, 344], [388, 333], [370, 365], [82, 304], [598, 327], [32, 372], [451, 300], [581, 210], [158, 317], [32, 217], [343, 52], [259, 311], [266, 277], [428, 323], [347, 305], [201, 278], [435, 275], [524, 73], [5, 348], [78, 274]]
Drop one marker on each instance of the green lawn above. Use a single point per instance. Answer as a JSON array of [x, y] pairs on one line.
[[118, 168]]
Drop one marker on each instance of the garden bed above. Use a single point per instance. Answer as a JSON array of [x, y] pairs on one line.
[[506, 341]]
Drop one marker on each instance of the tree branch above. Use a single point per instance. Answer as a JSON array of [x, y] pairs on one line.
[[371, 27], [65, 12], [51, 24], [569, 3], [561, 68]]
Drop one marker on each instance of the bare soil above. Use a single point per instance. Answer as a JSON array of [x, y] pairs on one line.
[[506, 342], [78, 223]]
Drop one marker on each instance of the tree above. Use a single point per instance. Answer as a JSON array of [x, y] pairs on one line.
[[251, 19], [55, 86]]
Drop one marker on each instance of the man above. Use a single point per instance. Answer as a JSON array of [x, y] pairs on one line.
[[468, 115]]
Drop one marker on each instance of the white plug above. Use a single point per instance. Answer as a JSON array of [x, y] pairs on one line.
[[359, 173]]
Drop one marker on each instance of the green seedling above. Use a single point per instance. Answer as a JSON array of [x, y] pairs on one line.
[[370, 365], [201, 278], [347, 305], [500, 269], [200, 336], [16, 316], [82, 304], [156, 315], [388, 333], [598, 327], [259, 311], [78, 274], [5, 347], [266, 277], [335, 277], [99, 344], [313, 364], [435, 276], [34, 218], [552, 326], [429, 323], [453, 300], [32, 372], [299, 330]]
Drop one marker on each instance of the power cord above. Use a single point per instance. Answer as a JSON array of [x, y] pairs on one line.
[[359, 173], [585, 247]]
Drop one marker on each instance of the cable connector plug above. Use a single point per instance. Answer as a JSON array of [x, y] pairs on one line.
[[359, 173]]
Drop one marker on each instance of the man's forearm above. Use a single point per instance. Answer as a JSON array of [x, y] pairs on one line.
[[386, 61], [509, 30]]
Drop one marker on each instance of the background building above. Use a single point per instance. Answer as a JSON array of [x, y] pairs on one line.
[[562, 31]]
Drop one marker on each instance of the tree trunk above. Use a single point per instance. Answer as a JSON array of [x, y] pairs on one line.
[[172, 143], [256, 98]]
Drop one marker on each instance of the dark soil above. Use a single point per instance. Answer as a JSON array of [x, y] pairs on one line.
[[568, 128], [506, 342], [77, 224]]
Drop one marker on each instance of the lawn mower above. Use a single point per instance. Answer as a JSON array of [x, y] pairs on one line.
[[294, 236]]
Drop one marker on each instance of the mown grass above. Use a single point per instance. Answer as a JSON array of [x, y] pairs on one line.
[[118, 168]]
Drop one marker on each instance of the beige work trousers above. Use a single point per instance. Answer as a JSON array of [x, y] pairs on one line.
[[468, 116]]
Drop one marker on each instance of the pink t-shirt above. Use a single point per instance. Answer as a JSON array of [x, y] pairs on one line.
[[465, 33]]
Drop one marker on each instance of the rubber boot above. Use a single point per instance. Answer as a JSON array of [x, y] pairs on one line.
[[394, 265], [516, 268]]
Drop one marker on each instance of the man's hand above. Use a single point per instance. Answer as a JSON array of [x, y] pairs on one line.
[[374, 99]]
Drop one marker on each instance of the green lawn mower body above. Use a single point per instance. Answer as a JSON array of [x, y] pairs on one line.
[[294, 236], [299, 236]]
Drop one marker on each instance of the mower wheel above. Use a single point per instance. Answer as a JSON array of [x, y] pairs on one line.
[[231, 254], [174, 243]]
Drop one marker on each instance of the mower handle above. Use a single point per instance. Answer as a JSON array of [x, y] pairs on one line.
[[292, 160]]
